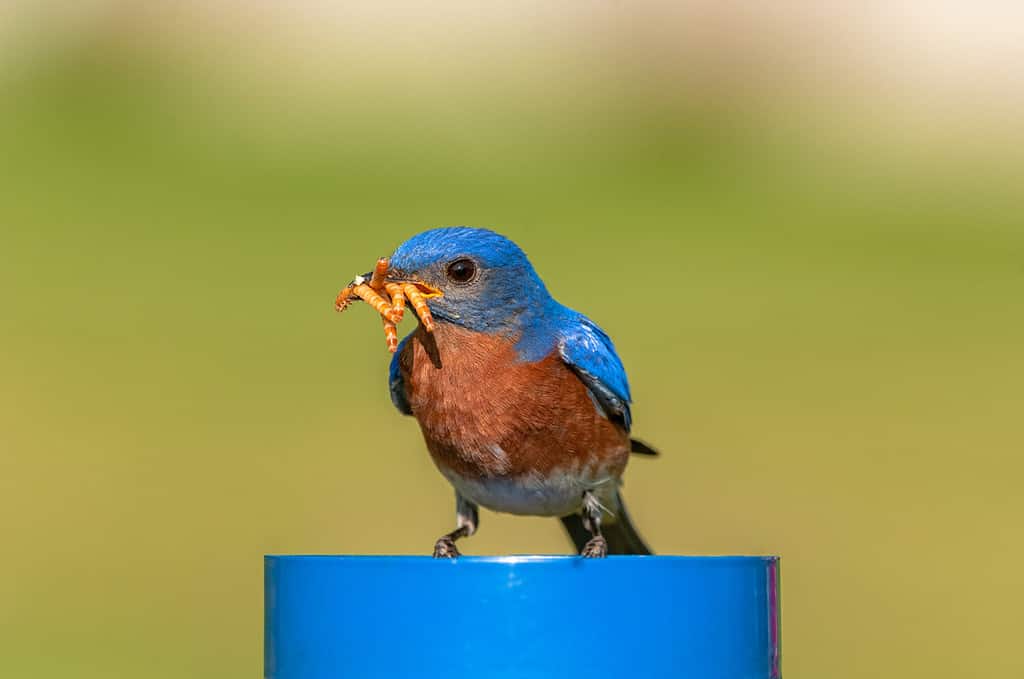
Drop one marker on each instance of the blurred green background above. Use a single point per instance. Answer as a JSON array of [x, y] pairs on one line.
[[184, 192]]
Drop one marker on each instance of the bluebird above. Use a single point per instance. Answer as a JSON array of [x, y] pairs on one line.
[[523, 403]]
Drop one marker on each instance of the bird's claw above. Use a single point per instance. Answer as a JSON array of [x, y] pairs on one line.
[[445, 548], [596, 548]]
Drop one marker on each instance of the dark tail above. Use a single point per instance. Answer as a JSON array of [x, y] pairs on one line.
[[640, 448], [618, 530]]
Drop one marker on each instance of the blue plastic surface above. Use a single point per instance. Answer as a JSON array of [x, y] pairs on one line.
[[529, 616]]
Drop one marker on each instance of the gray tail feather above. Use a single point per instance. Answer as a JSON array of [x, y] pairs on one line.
[[620, 533]]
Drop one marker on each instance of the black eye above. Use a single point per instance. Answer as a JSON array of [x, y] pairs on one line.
[[462, 270]]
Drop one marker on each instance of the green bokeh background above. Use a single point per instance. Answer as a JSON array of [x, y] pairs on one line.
[[823, 331]]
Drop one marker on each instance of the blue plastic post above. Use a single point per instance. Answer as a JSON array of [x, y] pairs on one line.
[[523, 616]]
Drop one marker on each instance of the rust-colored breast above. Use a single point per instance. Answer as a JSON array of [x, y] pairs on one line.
[[485, 414]]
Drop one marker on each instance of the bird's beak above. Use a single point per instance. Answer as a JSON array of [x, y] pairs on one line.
[[425, 289]]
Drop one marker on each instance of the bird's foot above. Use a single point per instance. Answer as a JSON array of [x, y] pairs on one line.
[[445, 548], [596, 548]]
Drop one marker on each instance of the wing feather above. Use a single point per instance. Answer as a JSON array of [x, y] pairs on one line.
[[395, 383], [588, 350]]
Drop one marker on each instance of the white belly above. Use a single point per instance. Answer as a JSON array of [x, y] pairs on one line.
[[555, 494]]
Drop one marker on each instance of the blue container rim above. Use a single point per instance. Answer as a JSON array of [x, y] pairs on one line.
[[714, 615], [524, 558]]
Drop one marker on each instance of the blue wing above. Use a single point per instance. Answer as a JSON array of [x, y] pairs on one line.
[[395, 383], [590, 353]]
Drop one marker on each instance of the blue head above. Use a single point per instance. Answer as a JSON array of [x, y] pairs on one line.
[[487, 283]]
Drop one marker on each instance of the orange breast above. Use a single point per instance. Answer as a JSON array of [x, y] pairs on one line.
[[484, 414]]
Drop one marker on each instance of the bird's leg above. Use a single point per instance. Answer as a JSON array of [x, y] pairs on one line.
[[467, 518], [597, 546]]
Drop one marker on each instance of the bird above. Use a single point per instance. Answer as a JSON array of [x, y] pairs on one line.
[[523, 403]]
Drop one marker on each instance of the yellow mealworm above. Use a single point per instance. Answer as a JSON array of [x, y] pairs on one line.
[[420, 305], [370, 296], [379, 272], [397, 300], [343, 299], [390, 335]]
